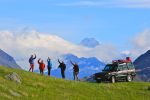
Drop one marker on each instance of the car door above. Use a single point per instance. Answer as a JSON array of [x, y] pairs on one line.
[[121, 71], [131, 69], [124, 71]]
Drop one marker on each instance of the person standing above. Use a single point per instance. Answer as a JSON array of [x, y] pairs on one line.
[[49, 66], [62, 66], [31, 61], [75, 70], [41, 66]]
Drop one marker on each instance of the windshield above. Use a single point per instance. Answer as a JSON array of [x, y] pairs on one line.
[[109, 68]]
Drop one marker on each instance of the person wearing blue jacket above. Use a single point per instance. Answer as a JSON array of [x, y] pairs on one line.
[[31, 61], [49, 66]]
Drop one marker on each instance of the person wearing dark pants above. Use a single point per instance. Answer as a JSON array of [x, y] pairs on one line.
[[63, 74], [41, 66], [62, 66], [49, 66], [75, 70]]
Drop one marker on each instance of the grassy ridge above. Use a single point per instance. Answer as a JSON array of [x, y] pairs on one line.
[[36, 87]]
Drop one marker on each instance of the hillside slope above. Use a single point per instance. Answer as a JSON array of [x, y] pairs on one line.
[[7, 60], [142, 64], [37, 87]]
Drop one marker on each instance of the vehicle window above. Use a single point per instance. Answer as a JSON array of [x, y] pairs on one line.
[[124, 67], [120, 67], [109, 68], [130, 66]]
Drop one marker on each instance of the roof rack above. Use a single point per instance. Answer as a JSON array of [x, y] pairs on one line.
[[120, 61]]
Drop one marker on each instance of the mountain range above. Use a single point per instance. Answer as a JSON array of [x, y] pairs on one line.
[[7, 60], [89, 42], [88, 66]]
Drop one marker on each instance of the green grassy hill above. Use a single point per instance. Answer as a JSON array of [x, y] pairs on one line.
[[37, 87]]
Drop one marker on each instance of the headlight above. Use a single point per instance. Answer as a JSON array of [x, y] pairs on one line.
[[109, 73]]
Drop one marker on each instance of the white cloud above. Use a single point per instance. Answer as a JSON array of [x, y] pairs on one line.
[[21, 45], [126, 52], [135, 4], [110, 3], [142, 40], [140, 44]]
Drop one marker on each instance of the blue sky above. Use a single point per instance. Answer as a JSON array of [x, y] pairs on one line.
[[111, 21], [122, 26]]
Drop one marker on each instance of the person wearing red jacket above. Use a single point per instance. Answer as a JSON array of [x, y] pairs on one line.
[[41, 66]]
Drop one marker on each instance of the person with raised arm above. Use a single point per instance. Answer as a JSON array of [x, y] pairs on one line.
[[75, 70], [49, 66], [41, 66], [31, 61], [62, 66]]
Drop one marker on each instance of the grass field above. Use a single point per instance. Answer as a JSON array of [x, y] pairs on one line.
[[37, 87]]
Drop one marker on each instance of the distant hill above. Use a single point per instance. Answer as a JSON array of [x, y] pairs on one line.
[[7, 60], [142, 64], [37, 87], [88, 66], [89, 42]]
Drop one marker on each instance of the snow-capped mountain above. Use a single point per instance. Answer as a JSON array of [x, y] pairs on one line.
[[88, 66], [89, 42], [7, 60]]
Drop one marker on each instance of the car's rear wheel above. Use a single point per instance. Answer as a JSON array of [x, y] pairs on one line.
[[129, 78], [113, 80]]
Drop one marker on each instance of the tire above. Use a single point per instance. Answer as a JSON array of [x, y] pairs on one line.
[[98, 81], [113, 80], [129, 78]]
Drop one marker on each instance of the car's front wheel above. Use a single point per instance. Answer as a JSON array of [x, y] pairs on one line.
[[129, 78], [113, 80], [98, 81]]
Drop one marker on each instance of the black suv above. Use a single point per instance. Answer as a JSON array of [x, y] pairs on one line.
[[116, 72]]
